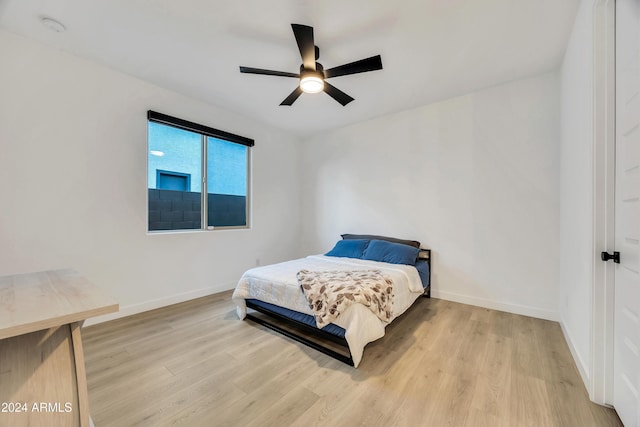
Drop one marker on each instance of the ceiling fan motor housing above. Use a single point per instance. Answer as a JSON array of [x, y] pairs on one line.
[[319, 67]]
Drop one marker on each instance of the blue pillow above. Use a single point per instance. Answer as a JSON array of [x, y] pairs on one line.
[[349, 248], [393, 253]]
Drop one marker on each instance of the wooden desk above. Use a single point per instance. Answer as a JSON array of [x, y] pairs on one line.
[[42, 372]]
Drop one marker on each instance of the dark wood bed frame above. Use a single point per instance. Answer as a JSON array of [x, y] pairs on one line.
[[307, 330]]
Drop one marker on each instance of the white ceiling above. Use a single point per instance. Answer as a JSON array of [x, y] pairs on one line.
[[431, 49]]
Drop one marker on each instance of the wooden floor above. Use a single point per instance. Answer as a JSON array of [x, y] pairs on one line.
[[442, 364]]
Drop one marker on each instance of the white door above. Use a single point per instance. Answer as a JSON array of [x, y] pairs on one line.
[[627, 282]]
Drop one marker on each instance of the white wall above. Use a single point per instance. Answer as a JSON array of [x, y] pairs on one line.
[[73, 150], [475, 178], [576, 189]]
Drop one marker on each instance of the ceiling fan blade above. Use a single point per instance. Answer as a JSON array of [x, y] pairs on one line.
[[368, 64], [292, 97], [251, 70], [337, 94], [306, 45]]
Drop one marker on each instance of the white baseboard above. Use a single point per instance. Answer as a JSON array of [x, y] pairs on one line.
[[524, 310], [582, 368], [132, 309]]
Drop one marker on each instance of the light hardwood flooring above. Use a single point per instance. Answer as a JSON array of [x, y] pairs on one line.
[[441, 364]]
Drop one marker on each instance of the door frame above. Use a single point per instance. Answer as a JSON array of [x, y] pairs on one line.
[[600, 386]]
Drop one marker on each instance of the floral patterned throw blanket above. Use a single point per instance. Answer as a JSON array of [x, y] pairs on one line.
[[330, 292]]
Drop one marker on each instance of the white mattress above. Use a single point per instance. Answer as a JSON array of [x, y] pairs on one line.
[[277, 284]]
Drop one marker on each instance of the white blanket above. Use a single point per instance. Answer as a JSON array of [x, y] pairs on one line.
[[277, 284]]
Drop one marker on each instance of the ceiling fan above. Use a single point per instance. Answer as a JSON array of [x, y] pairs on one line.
[[312, 75]]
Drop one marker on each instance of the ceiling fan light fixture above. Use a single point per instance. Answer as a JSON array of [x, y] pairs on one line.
[[312, 82]]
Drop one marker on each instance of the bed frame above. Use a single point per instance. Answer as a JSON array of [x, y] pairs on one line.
[[306, 330]]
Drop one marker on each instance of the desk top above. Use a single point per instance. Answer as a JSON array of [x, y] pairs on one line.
[[35, 301]]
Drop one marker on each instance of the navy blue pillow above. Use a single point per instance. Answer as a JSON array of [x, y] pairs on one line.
[[349, 248], [393, 253]]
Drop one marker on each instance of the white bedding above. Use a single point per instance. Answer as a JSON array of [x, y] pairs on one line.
[[277, 284]]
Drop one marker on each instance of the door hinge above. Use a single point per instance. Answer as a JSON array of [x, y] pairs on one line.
[[605, 256]]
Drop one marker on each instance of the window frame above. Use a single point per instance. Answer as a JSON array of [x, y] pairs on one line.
[[204, 132]]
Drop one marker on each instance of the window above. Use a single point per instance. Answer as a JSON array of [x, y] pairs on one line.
[[198, 177]]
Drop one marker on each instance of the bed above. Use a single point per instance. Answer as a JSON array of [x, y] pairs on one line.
[[272, 296]]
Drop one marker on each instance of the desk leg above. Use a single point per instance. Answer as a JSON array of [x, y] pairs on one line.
[[81, 375], [42, 379]]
